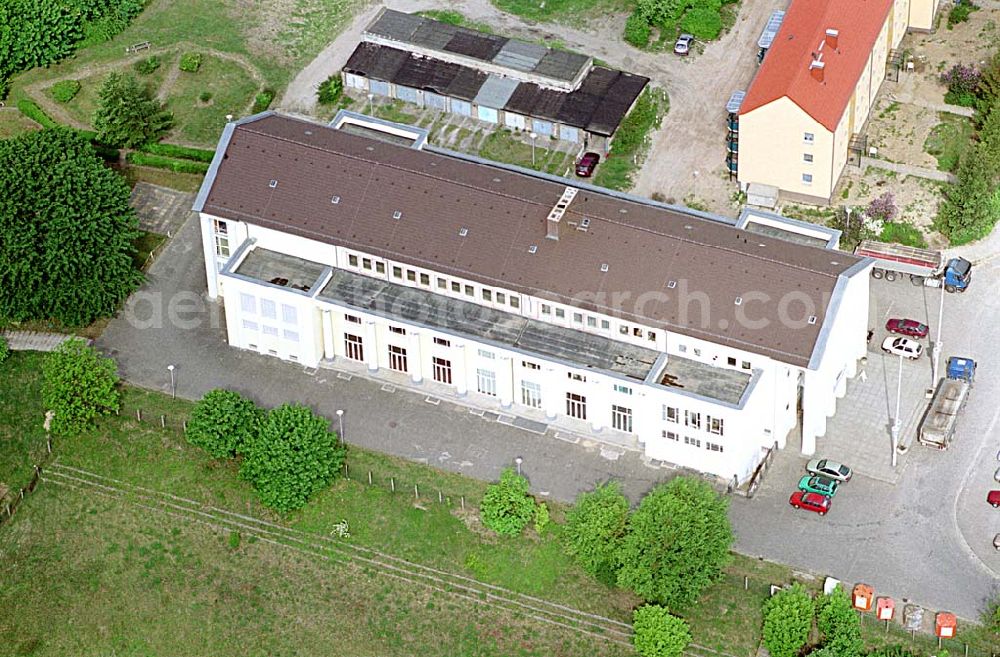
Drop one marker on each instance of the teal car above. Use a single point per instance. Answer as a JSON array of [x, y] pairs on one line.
[[820, 485]]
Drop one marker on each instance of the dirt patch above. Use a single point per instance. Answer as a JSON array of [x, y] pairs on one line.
[[898, 131], [265, 33]]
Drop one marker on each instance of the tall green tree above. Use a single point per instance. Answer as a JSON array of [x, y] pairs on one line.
[[128, 114], [595, 527], [223, 422], [677, 543], [34, 33], [293, 456], [788, 617], [78, 386], [659, 634], [66, 230], [507, 507], [972, 205], [839, 625]]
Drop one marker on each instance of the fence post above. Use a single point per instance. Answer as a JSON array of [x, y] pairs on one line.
[[746, 583], [346, 475], [463, 503], [185, 425], [369, 477], [138, 415], [392, 484], [416, 493], [163, 421], [48, 444], [441, 499]]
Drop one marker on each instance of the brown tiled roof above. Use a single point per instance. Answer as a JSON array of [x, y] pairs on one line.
[[644, 246]]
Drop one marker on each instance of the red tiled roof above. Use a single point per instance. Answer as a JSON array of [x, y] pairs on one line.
[[785, 71]]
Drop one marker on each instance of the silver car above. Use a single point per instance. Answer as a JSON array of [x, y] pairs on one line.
[[683, 44], [829, 469]]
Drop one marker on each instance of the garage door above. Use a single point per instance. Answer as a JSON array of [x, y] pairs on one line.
[[541, 127], [488, 114], [407, 94], [513, 121], [356, 81], [379, 88], [568, 133], [435, 101], [461, 107]]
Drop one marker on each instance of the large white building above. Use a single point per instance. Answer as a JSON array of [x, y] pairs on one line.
[[589, 311]]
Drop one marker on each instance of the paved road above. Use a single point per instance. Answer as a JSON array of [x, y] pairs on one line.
[[910, 540]]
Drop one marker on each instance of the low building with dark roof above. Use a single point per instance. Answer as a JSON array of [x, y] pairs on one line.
[[501, 81], [553, 302]]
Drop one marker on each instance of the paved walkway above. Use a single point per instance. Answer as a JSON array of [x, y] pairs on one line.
[[34, 340], [161, 210], [909, 99], [908, 170]]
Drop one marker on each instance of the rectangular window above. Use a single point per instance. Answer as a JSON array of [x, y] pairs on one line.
[[220, 226], [397, 272], [442, 342], [442, 370], [222, 246], [623, 329], [380, 267], [487, 295], [470, 291], [692, 419], [288, 314], [501, 298], [637, 332], [807, 157], [731, 361], [807, 178], [746, 364], [591, 322], [456, 287], [712, 447], [527, 364], [411, 275], [621, 418], [352, 260], [425, 279], [250, 326], [531, 394], [268, 309], [486, 382], [442, 284], [625, 390], [576, 406], [605, 325], [366, 263], [697, 352], [397, 358], [578, 318], [291, 335], [487, 354], [671, 414], [248, 303], [515, 302], [353, 319], [271, 330], [696, 442], [398, 330], [560, 313], [808, 137], [546, 309], [576, 377], [670, 435], [682, 348], [651, 336], [715, 425], [354, 347]]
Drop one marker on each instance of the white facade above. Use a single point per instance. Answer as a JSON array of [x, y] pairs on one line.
[[726, 437]]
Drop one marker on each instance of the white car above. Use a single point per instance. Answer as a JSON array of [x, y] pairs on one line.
[[904, 347]]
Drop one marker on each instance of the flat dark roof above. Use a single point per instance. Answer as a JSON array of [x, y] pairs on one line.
[[636, 260]]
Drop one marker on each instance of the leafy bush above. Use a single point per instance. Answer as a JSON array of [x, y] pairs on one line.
[[73, 276], [657, 633], [960, 98], [960, 13], [902, 232], [962, 78], [179, 166], [78, 386], [542, 517], [637, 30], [788, 617], [223, 422], [971, 206], [704, 23], [190, 62], [205, 96], [839, 625], [330, 90], [182, 152], [594, 530], [4, 349], [31, 110], [506, 507], [292, 456], [147, 66], [65, 90], [882, 208], [677, 543], [664, 13], [128, 114], [262, 101]]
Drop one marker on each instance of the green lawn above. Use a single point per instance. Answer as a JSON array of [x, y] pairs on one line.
[[145, 246], [185, 182], [84, 104], [12, 122], [502, 146], [948, 140], [22, 438], [201, 123], [562, 10], [631, 140]]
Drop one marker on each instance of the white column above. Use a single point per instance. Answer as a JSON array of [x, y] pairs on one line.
[[598, 404], [553, 395], [459, 372], [414, 357], [505, 381], [813, 414], [371, 346], [326, 326]]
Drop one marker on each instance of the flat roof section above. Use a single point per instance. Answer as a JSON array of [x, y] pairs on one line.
[[702, 379], [504, 329], [787, 235], [280, 269]]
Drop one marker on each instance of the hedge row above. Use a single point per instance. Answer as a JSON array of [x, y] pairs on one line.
[[31, 110], [181, 152], [178, 166]]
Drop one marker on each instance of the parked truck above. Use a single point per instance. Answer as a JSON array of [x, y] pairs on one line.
[[938, 426], [923, 266]]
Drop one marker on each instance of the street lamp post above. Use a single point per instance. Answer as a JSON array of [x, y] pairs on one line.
[[848, 209], [518, 461], [895, 420], [340, 419], [938, 343], [533, 136], [371, 104], [173, 387]]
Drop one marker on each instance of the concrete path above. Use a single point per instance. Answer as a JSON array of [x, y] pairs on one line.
[[34, 340], [908, 170]]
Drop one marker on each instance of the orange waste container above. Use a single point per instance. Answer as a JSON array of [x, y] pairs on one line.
[[885, 608], [863, 597], [945, 625]]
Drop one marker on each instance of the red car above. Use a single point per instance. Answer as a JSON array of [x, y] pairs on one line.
[[993, 497], [910, 327], [811, 501], [585, 167]]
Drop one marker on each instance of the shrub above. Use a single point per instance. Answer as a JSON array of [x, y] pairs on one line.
[[960, 13], [292, 456], [128, 114], [190, 62], [678, 540], [902, 232], [205, 96], [222, 423], [882, 208], [788, 617], [78, 386], [637, 30], [65, 90], [595, 527], [960, 98], [262, 101], [962, 78], [31, 110], [179, 166], [657, 633], [182, 152], [703, 22], [4, 349], [147, 66], [839, 625], [506, 507], [330, 90], [542, 517]]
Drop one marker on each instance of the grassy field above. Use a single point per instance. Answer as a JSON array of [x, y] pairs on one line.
[[948, 140], [201, 123], [562, 10], [22, 439], [185, 182], [12, 122], [502, 146], [84, 104]]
